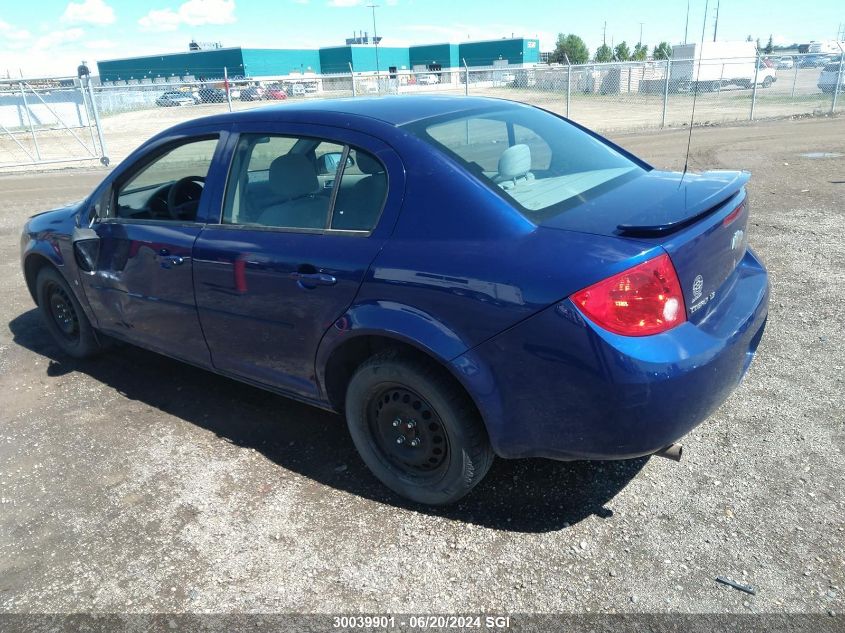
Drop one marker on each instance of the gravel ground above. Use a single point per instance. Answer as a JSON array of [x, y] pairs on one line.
[[133, 483]]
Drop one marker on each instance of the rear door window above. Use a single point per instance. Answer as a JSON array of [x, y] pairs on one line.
[[296, 183]]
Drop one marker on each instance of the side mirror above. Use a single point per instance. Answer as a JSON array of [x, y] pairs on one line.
[[328, 163]]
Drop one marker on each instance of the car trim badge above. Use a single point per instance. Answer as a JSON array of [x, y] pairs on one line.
[[697, 287]]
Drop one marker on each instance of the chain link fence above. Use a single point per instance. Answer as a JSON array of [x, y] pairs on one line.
[[58, 123], [48, 121]]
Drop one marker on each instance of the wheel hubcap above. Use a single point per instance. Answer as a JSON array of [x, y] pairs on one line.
[[63, 312], [408, 431]]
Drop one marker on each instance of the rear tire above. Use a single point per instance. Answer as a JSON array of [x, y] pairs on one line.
[[767, 82], [416, 429], [63, 316]]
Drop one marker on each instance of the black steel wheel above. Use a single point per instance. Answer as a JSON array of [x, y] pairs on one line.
[[63, 315], [416, 429], [408, 431]]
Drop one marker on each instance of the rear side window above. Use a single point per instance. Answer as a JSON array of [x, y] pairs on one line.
[[832, 68], [540, 163], [288, 182]]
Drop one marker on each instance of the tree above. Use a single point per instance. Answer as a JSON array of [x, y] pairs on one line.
[[749, 39], [663, 51], [770, 46], [757, 44], [570, 47], [622, 53], [640, 52], [604, 54]]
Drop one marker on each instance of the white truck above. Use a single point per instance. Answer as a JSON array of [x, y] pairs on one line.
[[712, 65]]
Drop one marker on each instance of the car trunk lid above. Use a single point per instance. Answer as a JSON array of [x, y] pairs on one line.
[[699, 219]]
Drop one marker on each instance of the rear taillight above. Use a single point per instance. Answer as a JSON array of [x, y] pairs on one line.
[[733, 215], [642, 300]]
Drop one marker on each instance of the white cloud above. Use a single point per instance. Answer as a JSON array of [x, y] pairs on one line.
[[13, 34], [57, 38], [100, 45], [192, 13], [95, 12], [344, 3]]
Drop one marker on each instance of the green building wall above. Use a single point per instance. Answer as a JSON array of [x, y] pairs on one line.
[[207, 64], [260, 62], [335, 59], [444, 54], [515, 51], [256, 62], [364, 58]]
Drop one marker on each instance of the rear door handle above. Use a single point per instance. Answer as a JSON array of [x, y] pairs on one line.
[[313, 279], [167, 260]]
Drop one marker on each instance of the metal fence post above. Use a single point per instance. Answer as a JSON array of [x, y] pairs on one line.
[[666, 92], [466, 74], [104, 159], [754, 88], [89, 115], [795, 76], [838, 80], [29, 122], [568, 82], [228, 88], [352, 75]]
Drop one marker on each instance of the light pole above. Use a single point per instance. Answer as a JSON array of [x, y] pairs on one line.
[[375, 37]]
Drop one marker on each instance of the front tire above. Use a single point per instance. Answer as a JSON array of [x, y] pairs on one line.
[[416, 430], [63, 316]]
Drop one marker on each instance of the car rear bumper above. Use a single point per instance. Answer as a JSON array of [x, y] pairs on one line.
[[558, 386]]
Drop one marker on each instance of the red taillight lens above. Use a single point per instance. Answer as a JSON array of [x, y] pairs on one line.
[[733, 215], [642, 300]]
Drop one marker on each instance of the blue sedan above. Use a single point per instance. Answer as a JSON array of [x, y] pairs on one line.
[[460, 277]]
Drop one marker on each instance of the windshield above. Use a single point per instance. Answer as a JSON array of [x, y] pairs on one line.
[[540, 163]]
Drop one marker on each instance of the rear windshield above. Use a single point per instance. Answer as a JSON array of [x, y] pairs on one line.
[[540, 163]]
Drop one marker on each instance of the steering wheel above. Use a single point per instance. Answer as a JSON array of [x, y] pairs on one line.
[[183, 198]]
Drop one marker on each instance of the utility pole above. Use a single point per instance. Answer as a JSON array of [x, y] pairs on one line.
[[686, 26], [604, 34], [716, 24], [375, 37], [641, 34]]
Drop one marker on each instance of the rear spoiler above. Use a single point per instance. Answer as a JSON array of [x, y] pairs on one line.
[[701, 208]]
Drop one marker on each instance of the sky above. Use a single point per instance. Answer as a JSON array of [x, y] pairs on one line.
[[55, 37]]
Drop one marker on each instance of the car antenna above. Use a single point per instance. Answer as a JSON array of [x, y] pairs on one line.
[[695, 92]]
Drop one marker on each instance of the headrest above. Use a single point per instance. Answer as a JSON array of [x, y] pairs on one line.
[[367, 164], [515, 162], [293, 176]]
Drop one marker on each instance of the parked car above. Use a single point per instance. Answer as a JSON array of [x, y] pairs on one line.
[[252, 93], [296, 90], [429, 79], [275, 93], [211, 95], [175, 98], [545, 294], [829, 76], [785, 63], [813, 61]]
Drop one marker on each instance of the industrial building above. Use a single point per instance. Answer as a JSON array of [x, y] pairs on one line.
[[257, 63]]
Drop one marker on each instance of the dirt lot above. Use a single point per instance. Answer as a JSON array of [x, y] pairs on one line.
[[136, 483]]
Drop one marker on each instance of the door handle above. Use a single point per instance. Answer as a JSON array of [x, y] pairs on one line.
[[167, 260], [311, 280]]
